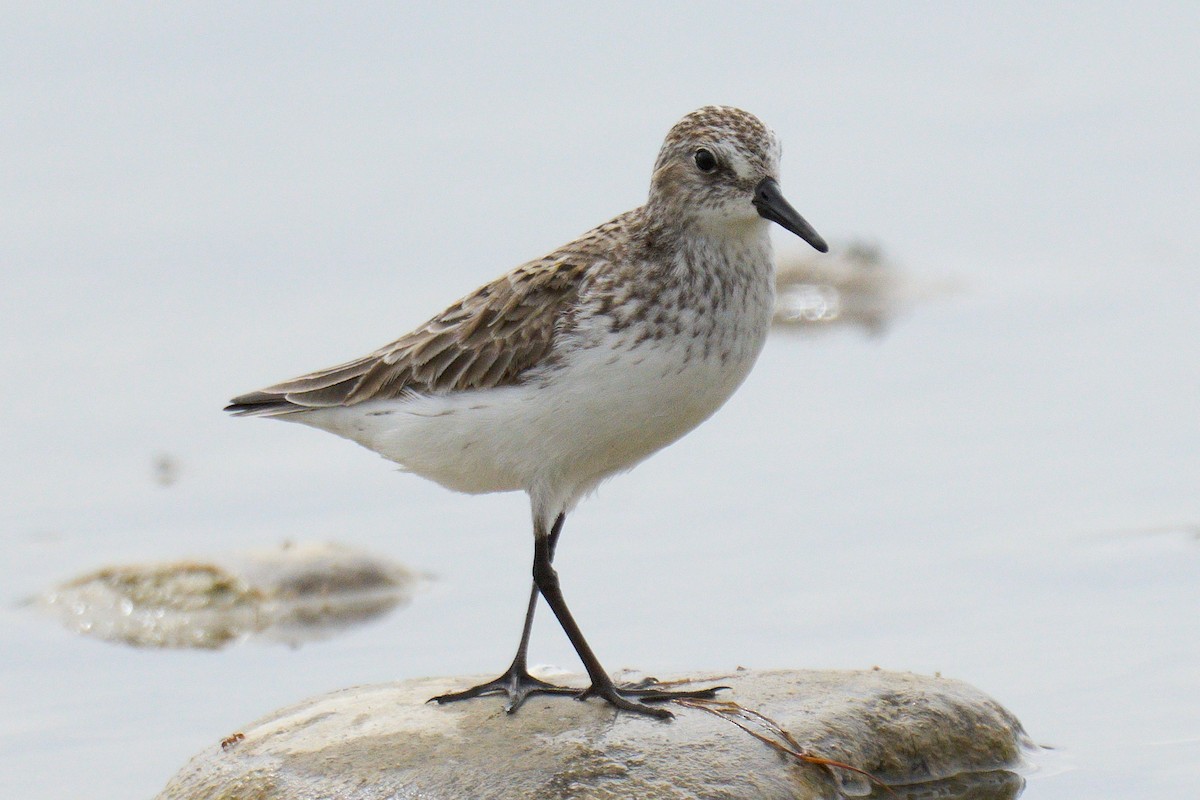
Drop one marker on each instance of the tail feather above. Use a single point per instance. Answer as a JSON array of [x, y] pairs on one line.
[[261, 404], [329, 387]]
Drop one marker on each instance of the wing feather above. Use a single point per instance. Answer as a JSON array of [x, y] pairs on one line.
[[490, 338]]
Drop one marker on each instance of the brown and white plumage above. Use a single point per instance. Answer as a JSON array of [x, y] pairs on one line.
[[578, 365], [489, 338]]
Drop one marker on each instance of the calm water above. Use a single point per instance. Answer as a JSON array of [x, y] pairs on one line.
[[1001, 487]]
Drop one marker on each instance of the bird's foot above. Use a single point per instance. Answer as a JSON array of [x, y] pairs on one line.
[[516, 683], [634, 697]]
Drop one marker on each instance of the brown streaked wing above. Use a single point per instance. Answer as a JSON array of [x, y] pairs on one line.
[[487, 339]]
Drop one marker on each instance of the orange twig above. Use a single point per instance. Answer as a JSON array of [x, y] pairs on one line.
[[743, 717]]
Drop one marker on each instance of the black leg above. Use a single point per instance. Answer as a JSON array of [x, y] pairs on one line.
[[545, 578], [516, 682]]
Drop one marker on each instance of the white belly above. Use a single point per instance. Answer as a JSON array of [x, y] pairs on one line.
[[601, 411]]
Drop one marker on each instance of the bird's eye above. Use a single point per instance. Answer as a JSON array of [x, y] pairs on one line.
[[705, 160]]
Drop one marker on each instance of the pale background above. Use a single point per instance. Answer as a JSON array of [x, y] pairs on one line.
[[200, 199]]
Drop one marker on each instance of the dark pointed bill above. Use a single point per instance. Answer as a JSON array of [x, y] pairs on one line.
[[769, 201]]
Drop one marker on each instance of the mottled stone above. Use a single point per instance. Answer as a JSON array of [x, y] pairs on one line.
[[927, 737], [854, 285], [293, 593]]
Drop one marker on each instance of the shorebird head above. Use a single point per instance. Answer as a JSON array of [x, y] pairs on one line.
[[719, 168]]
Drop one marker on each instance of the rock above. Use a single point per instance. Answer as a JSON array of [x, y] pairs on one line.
[[292, 593], [852, 285], [927, 737]]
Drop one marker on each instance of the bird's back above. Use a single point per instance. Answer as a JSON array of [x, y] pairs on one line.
[[491, 338]]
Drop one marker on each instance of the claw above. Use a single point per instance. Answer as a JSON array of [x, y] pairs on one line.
[[647, 690], [516, 684]]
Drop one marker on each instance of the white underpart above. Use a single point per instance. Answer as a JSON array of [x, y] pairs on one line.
[[598, 411]]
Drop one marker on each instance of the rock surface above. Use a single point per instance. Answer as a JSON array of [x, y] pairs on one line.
[[927, 737], [854, 284], [293, 593]]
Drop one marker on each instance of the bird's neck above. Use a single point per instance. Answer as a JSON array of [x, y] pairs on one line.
[[707, 243]]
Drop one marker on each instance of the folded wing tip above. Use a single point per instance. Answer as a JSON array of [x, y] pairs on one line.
[[258, 404]]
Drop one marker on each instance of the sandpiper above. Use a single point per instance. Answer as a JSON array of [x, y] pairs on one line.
[[578, 365]]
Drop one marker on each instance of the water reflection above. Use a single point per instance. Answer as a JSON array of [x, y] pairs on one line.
[[993, 785]]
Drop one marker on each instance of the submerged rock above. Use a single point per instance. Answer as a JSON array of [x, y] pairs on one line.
[[853, 285], [926, 737], [294, 593]]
